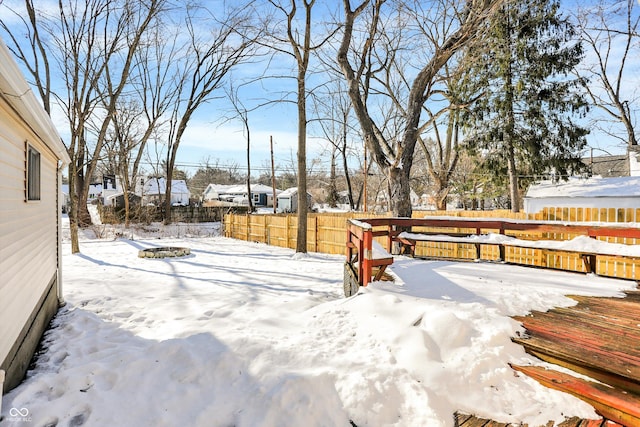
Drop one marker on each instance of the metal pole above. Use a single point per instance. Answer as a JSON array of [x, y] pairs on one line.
[[365, 177], [273, 176]]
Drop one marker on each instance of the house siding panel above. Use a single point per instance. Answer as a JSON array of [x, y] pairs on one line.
[[28, 248]]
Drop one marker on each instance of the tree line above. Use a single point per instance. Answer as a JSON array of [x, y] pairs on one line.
[[471, 94]]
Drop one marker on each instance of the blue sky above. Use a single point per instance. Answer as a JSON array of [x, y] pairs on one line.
[[208, 137], [223, 141]]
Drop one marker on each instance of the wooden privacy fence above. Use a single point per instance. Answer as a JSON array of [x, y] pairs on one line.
[[326, 233], [190, 214]]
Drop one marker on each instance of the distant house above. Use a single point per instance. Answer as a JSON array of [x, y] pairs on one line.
[[261, 195], [288, 200], [612, 166], [95, 192], [595, 192], [33, 158], [153, 191], [111, 186], [116, 200]]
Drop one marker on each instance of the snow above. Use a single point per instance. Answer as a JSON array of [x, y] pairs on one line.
[[597, 186], [582, 244], [595, 192], [245, 334]]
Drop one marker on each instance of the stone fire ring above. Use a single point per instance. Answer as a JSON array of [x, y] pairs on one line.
[[164, 252]]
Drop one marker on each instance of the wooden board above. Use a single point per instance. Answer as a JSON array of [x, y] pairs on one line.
[[464, 420], [597, 374], [600, 338], [611, 403], [594, 360], [621, 342]]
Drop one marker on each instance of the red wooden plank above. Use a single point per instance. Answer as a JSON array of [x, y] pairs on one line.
[[587, 314], [607, 349], [607, 321], [600, 374], [587, 321], [614, 405], [624, 303], [592, 335], [596, 361]]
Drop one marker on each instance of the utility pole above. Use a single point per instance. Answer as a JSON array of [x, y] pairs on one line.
[[365, 177], [273, 176]]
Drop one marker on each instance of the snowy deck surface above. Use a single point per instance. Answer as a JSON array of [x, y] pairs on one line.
[[582, 244]]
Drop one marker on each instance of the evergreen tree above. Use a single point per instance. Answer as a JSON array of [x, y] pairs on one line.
[[523, 125]]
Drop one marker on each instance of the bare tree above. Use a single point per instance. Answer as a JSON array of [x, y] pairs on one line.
[[242, 113], [125, 144], [297, 43], [34, 55], [92, 43], [201, 72], [610, 34], [140, 114], [445, 27], [441, 147], [334, 119]]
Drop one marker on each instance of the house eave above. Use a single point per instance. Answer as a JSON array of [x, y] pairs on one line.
[[22, 99]]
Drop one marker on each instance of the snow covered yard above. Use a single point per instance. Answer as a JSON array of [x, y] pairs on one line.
[[244, 334]]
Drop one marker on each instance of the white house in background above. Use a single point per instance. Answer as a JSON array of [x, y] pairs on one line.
[[95, 191], [110, 187], [619, 192], [261, 195], [32, 157], [288, 200], [153, 191]]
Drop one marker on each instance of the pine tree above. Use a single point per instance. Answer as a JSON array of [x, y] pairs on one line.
[[524, 124]]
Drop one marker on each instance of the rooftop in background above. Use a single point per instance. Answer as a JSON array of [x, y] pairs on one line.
[[613, 165], [594, 192], [608, 166], [591, 187]]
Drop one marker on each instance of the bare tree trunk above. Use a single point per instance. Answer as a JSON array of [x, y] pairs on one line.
[[333, 189], [171, 161], [513, 181], [395, 159], [398, 180], [509, 145], [345, 164], [73, 211], [301, 48], [347, 178], [301, 243], [249, 198], [442, 191], [125, 191], [606, 29]]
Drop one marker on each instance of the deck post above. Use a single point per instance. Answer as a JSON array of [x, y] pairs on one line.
[[366, 255]]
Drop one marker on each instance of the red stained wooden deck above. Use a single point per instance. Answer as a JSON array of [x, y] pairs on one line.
[[599, 338]]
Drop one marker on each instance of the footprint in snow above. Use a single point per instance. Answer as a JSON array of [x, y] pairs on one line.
[[80, 418]]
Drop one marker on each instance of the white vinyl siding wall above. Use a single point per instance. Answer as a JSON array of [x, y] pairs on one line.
[[28, 248]]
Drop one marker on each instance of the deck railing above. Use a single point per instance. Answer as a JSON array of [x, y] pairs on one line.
[[361, 234]]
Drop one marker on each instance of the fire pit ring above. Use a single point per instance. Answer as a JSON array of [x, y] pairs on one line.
[[164, 252]]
